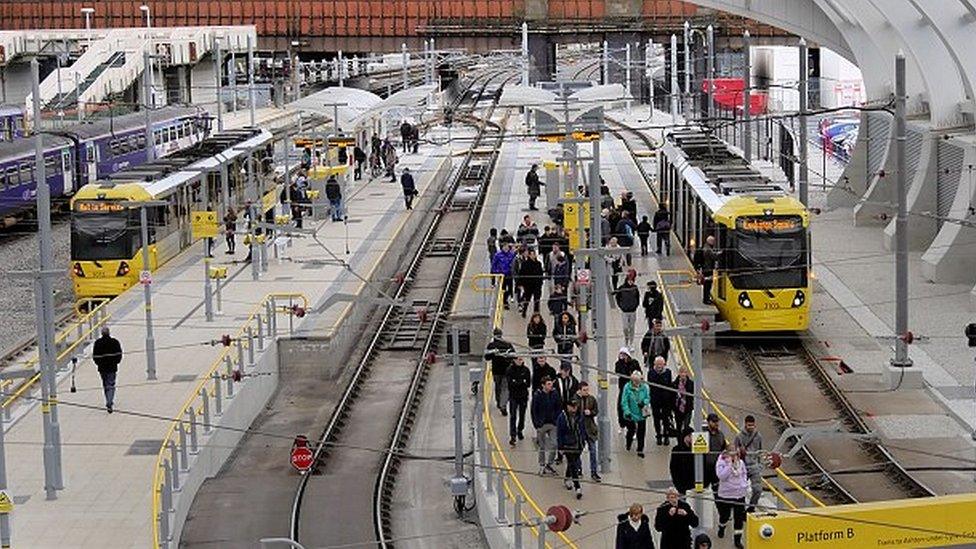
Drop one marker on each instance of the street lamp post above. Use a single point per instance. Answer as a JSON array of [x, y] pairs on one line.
[[87, 12]]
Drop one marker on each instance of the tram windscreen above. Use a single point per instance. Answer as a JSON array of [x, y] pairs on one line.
[[768, 253], [103, 236]]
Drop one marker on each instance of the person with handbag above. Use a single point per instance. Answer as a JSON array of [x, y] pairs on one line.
[[636, 403]]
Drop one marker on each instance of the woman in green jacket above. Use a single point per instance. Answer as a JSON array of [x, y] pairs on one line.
[[636, 396]]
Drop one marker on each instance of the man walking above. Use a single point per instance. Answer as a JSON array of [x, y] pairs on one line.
[[653, 304], [107, 354], [750, 442], [519, 383], [500, 352], [628, 299], [659, 378], [534, 185], [545, 411], [334, 193], [590, 409], [570, 435], [662, 228], [409, 188], [655, 344]]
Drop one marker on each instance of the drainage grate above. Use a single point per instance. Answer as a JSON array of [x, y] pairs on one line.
[[145, 447], [20, 500], [182, 378]]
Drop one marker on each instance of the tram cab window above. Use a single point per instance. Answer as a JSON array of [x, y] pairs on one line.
[[770, 253], [105, 235], [26, 173], [11, 177]]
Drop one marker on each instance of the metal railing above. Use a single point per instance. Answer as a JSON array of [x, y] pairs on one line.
[[501, 480], [77, 333], [206, 402], [683, 354]]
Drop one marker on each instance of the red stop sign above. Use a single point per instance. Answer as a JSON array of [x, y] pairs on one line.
[[301, 458]]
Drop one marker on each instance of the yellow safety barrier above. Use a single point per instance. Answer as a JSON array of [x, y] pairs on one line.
[[512, 484], [206, 383], [82, 327], [683, 353]]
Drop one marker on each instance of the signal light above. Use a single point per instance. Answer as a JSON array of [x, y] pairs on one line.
[[123, 269], [77, 270]]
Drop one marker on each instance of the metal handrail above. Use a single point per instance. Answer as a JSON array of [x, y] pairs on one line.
[[95, 318], [207, 378], [499, 459], [683, 352]]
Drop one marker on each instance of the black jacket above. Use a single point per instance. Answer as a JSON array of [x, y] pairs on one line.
[[536, 334], [675, 529], [107, 354], [661, 344], [567, 387], [653, 304], [531, 274], [533, 183], [620, 231], [565, 335], [660, 386], [332, 190], [545, 243], [628, 297], [546, 408], [623, 368], [644, 228], [494, 351], [409, 187], [560, 273], [689, 399], [540, 372], [557, 304], [628, 538], [519, 382], [682, 467]]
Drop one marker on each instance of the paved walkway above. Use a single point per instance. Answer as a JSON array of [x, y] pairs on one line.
[[109, 460]]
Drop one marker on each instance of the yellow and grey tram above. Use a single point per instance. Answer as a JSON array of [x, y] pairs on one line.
[[762, 278], [106, 240]]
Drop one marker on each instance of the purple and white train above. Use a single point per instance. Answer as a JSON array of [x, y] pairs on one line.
[[86, 153]]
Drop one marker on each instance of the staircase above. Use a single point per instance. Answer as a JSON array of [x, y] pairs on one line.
[[69, 100]]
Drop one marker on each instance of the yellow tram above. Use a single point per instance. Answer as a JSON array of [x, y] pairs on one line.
[[761, 282], [106, 239]]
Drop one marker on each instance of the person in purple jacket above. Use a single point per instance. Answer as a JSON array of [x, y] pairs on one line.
[[502, 264]]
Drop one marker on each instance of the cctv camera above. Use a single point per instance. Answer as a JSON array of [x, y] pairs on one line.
[[766, 531]]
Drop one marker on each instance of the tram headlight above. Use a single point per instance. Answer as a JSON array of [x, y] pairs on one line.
[[123, 269], [78, 271], [799, 299], [744, 300]]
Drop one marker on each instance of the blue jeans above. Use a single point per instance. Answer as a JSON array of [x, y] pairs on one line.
[[591, 445], [336, 209], [108, 385]]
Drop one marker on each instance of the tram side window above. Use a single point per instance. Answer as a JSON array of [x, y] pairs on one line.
[[11, 177], [141, 142]]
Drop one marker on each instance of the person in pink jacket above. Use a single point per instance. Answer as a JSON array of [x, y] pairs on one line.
[[733, 486]]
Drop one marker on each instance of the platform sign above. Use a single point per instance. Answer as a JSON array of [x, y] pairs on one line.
[[301, 458], [699, 442], [145, 278], [204, 224], [945, 521], [571, 222]]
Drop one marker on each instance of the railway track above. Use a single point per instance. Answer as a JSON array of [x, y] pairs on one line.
[[797, 389], [351, 475]]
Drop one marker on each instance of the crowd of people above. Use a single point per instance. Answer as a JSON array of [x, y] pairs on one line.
[[536, 265]]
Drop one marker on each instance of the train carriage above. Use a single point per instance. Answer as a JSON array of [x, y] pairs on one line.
[[85, 153], [762, 280], [106, 240]]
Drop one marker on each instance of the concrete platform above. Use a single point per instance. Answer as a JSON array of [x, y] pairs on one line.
[[109, 460]]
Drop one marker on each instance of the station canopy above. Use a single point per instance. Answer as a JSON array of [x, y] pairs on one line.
[[353, 102], [549, 102]]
